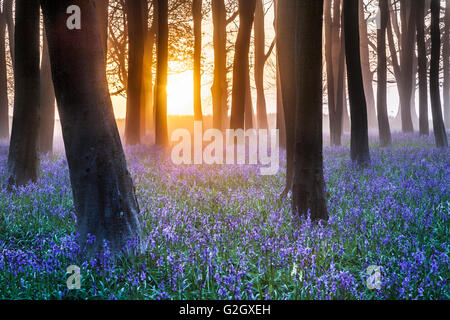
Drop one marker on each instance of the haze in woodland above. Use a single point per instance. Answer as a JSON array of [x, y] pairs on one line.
[[311, 138]]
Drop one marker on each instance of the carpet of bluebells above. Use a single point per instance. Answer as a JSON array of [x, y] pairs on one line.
[[221, 232]]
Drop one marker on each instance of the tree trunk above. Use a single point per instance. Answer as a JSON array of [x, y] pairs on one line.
[[4, 103], [197, 16], [47, 102], [135, 69], [102, 13], [365, 66], [383, 120], [241, 64], [438, 122], [446, 64], [162, 53], [220, 86], [103, 191], [23, 158], [248, 109], [308, 194], [359, 144], [286, 29], [422, 69], [260, 61]]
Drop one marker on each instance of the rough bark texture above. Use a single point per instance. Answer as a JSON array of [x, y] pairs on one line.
[[103, 192], [383, 120], [47, 102], [23, 158], [260, 61], [220, 86], [241, 64], [286, 30], [162, 53], [359, 145], [308, 194], [197, 16], [436, 108], [422, 63], [4, 103], [135, 69], [446, 64]]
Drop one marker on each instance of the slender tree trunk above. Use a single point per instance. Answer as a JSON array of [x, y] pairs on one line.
[[446, 64], [280, 121], [220, 86], [248, 109], [135, 69], [422, 69], [330, 70], [241, 64], [260, 61], [103, 191], [365, 66], [359, 129], [4, 103], [161, 130], [286, 30], [23, 158], [308, 194], [47, 102], [197, 15], [438, 121], [383, 120]]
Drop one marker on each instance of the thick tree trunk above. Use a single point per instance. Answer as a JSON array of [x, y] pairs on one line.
[[47, 102], [422, 69], [286, 30], [359, 145], [135, 69], [23, 158], [365, 66], [438, 122], [197, 16], [383, 120], [446, 64], [102, 13], [4, 103], [162, 53], [260, 61], [103, 192], [308, 194], [241, 64], [220, 86]]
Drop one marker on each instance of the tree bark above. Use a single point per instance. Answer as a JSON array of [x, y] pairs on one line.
[[162, 138], [135, 70], [241, 64], [383, 120], [260, 61], [102, 7], [47, 102], [422, 63], [438, 121], [4, 103], [446, 64], [197, 16], [308, 194], [23, 158], [103, 191], [359, 145]]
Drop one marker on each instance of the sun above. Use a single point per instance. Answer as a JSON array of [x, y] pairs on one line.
[[180, 93]]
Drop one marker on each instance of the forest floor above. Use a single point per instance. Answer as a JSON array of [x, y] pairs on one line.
[[220, 232]]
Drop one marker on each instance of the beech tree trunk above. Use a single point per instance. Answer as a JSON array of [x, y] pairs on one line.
[[220, 85], [241, 64], [308, 194], [102, 13], [438, 121], [359, 145], [4, 103], [162, 53], [135, 70], [260, 61], [103, 192], [198, 16], [383, 120], [286, 30], [422, 69], [23, 158], [47, 102]]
